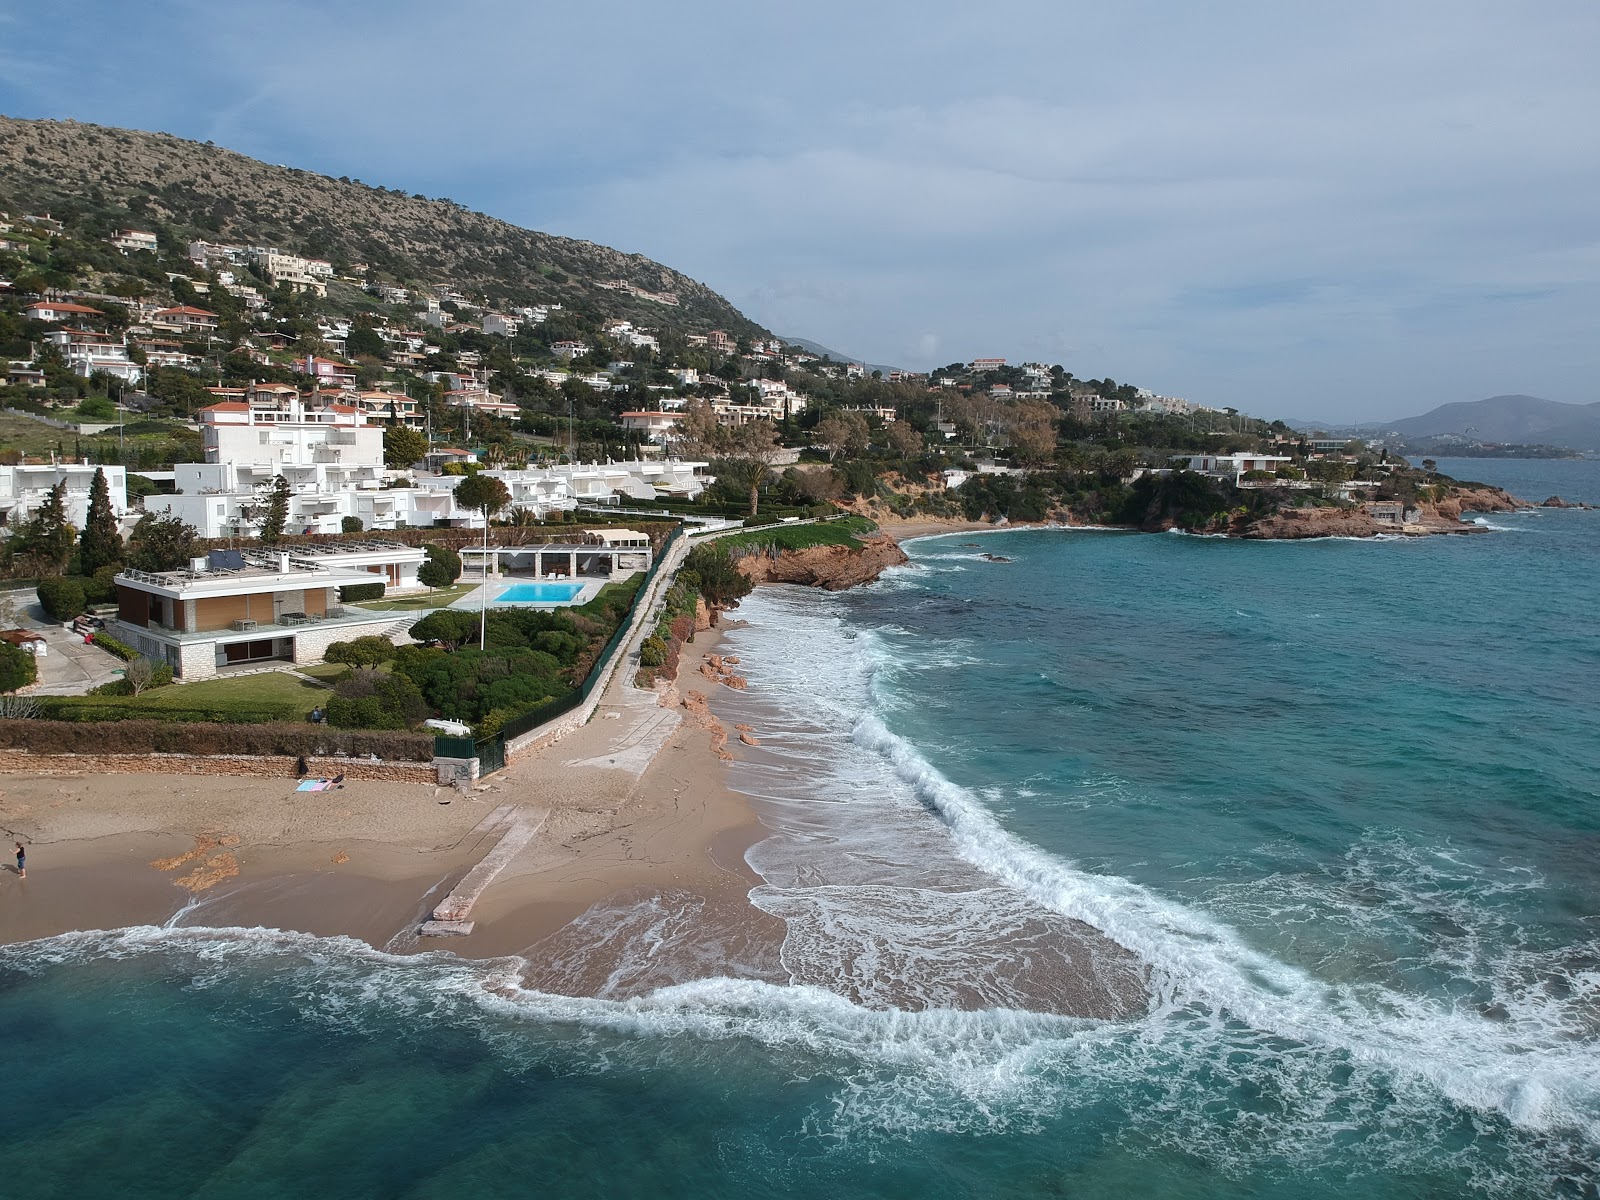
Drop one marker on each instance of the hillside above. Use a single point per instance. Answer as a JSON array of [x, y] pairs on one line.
[[1510, 419], [185, 190]]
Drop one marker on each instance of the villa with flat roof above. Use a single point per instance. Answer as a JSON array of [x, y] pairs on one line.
[[608, 554], [235, 610]]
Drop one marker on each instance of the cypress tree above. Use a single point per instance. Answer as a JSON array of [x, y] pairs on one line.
[[100, 544], [277, 511]]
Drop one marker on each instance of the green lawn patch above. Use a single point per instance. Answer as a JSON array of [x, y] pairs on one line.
[[847, 531], [422, 602]]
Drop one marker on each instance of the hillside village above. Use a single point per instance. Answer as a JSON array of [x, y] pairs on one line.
[[222, 453]]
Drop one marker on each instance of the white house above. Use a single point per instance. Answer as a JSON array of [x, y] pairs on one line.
[[499, 323], [129, 240], [236, 612], [23, 488], [1232, 466]]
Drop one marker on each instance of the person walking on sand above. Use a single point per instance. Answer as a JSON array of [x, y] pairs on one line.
[[22, 861]]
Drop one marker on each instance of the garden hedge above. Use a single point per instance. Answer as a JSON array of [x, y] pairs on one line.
[[174, 737]]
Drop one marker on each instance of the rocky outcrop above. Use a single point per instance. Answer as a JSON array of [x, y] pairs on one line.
[[1293, 523], [1558, 502], [832, 567], [1472, 499]]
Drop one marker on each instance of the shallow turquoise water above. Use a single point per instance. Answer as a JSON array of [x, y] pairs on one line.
[[1341, 795]]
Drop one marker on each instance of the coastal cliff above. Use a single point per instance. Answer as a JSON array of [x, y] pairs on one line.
[[831, 567]]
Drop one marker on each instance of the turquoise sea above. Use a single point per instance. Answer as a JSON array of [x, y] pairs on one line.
[[1342, 797]]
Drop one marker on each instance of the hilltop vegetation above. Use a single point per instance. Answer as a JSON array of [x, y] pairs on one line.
[[183, 190]]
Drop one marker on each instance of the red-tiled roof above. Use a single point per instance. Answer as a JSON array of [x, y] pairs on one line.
[[226, 406], [62, 306], [186, 310]]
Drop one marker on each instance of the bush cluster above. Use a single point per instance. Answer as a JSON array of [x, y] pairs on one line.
[[163, 737], [353, 593], [62, 598], [115, 646], [18, 668], [112, 708]]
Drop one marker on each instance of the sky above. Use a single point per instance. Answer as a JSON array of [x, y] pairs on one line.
[[1338, 212]]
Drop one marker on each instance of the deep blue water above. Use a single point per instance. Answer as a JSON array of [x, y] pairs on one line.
[[1341, 796]]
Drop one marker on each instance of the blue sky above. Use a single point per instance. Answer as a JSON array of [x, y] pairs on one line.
[[1342, 211]]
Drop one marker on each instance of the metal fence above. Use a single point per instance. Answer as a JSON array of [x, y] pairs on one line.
[[492, 749]]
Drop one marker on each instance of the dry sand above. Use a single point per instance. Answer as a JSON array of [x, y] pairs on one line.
[[632, 813]]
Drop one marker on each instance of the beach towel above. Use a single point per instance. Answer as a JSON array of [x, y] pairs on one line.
[[314, 785]]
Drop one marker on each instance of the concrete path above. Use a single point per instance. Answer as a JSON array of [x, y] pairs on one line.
[[452, 916]]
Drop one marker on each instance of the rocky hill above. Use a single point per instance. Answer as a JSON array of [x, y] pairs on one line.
[[185, 190], [1511, 419]]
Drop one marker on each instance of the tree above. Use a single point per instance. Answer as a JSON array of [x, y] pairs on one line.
[[100, 544], [484, 493], [1429, 465], [1032, 431], [403, 446], [366, 651], [350, 525], [277, 511], [162, 542], [446, 627], [138, 674], [442, 568], [363, 340], [757, 444], [722, 584], [46, 538], [18, 668], [843, 432], [905, 441]]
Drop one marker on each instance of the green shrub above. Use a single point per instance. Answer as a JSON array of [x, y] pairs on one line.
[[355, 592], [366, 651], [62, 598], [653, 652], [99, 588], [125, 708], [52, 736], [18, 668], [350, 525], [115, 646], [368, 699], [160, 677]]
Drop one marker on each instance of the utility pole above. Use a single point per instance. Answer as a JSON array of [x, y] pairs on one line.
[[483, 593]]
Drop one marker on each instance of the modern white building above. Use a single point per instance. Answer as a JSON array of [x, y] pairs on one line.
[[274, 426], [1232, 466], [87, 353], [23, 489], [241, 611]]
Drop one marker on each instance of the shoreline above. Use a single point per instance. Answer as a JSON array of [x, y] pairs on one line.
[[633, 809]]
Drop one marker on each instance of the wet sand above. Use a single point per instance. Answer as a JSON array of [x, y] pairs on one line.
[[633, 807], [634, 876]]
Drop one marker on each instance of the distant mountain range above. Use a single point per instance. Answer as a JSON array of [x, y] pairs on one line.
[[819, 348], [1526, 420]]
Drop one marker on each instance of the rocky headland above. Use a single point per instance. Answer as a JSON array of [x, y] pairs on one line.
[[833, 568]]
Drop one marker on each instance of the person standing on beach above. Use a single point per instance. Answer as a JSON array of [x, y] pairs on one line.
[[22, 861]]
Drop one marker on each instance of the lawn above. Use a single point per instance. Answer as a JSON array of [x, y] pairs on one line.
[[844, 532], [269, 687], [327, 672], [437, 598]]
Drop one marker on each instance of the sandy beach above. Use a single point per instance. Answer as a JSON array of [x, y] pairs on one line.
[[631, 813]]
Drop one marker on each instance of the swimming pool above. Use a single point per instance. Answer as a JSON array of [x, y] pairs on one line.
[[540, 593]]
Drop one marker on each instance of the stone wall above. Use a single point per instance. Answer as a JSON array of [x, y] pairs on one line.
[[186, 764]]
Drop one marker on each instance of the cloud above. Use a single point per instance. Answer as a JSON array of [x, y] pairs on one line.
[[1356, 209]]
